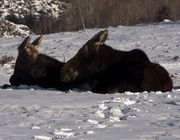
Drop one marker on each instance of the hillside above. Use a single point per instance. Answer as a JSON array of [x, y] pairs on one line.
[[22, 8]]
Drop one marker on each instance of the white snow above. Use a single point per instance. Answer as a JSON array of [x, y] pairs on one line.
[[64, 132], [47, 114], [42, 137]]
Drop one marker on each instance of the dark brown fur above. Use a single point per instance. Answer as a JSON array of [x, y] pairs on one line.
[[108, 70], [131, 76]]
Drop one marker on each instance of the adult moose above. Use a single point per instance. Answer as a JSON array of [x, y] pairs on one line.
[[34, 68], [110, 70]]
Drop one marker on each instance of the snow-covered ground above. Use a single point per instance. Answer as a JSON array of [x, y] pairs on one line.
[[35, 113]]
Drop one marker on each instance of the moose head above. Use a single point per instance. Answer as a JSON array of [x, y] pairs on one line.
[[87, 59], [26, 66]]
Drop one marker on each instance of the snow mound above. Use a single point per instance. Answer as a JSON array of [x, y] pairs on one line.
[[9, 29]]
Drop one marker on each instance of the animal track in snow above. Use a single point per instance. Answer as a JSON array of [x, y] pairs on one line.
[[113, 110]]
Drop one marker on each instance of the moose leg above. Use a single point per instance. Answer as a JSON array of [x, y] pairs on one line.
[[156, 78]]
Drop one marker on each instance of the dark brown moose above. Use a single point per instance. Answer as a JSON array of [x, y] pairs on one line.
[[108, 70], [34, 68]]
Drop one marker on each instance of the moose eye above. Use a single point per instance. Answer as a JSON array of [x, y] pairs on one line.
[[86, 50]]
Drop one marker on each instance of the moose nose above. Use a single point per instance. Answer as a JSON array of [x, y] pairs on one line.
[[66, 74]]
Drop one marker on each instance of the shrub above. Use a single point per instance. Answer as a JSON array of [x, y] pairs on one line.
[[6, 59]]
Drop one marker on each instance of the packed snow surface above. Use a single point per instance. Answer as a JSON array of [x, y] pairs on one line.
[[47, 114]]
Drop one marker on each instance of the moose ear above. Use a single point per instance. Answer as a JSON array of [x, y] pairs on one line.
[[24, 43], [37, 41], [100, 37]]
